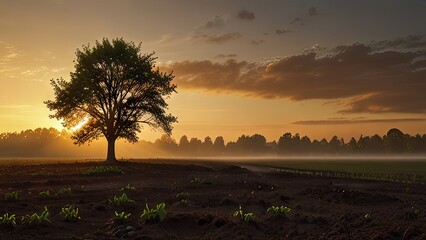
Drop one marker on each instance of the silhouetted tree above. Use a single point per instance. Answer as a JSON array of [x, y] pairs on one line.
[[207, 146], [394, 141], [219, 145], [352, 146], [115, 89], [183, 144]]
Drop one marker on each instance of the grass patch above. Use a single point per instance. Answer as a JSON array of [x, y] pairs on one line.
[[103, 170], [394, 171]]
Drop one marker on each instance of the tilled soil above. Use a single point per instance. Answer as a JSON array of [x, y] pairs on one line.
[[322, 208]]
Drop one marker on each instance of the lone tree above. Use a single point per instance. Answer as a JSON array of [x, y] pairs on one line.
[[113, 90]]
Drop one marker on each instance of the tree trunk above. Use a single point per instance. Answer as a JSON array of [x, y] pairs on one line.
[[111, 152]]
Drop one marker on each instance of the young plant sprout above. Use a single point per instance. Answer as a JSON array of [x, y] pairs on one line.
[[121, 200], [128, 188], [12, 196], [70, 214], [64, 191], [8, 220], [279, 210], [198, 180], [44, 194], [36, 219], [154, 214], [122, 217], [246, 217]]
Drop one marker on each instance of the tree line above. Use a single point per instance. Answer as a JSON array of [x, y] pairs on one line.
[[49, 142]]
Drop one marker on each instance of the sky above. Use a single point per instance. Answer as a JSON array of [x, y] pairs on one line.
[[318, 68]]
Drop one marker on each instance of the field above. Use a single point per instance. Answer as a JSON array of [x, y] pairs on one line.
[[201, 198]]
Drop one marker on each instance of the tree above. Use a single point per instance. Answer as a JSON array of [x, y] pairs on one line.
[[114, 89]]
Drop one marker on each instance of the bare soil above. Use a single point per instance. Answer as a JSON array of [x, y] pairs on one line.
[[322, 208]]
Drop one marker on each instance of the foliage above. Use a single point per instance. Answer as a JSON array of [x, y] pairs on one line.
[[36, 219], [246, 217], [121, 200], [97, 170], [12, 196], [128, 188], [65, 191], [8, 220], [281, 210], [116, 89], [70, 213], [44, 194], [122, 217], [154, 214]]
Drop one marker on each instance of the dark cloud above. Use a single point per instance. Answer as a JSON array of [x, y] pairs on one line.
[[218, 38], [257, 42], [356, 77], [312, 11], [246, 15], [226, 55], [297, 21], [217, 22], [279, 31], [356, 121], [409, 42]]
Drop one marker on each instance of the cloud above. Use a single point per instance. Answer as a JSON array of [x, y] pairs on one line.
[[357, 121], [8, 53], [232, 55], [246, 15], [410, 42], [297, 21], [166, 38], [280, 32], [312, 11], [356, 76], [257, 42], [218, 38], [217, 22]]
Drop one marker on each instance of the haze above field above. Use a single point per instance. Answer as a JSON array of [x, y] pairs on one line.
[[319, 68]]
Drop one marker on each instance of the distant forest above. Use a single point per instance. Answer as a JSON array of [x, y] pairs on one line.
[[43, 142]]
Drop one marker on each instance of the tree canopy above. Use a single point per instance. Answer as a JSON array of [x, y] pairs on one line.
[[113, 90]]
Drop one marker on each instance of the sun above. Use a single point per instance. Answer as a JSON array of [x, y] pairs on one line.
[[80, 124]]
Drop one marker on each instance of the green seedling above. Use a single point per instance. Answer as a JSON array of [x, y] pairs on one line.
[[154, 214], [8, 220], [182, 195], [12, 196], [416, 211], [70, 214], [36, 219], [198, 180], [128, 188], [246, 217], [64, 191], [367, 217], [184, 202], [121, 200], [40, 173], [122, 217], [99, 170], [281, 210], [44, 194]]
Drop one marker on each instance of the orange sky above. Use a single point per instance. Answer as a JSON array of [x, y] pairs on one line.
[[241, 67]]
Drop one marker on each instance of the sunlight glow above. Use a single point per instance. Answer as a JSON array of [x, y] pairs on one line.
[[80, 124]]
